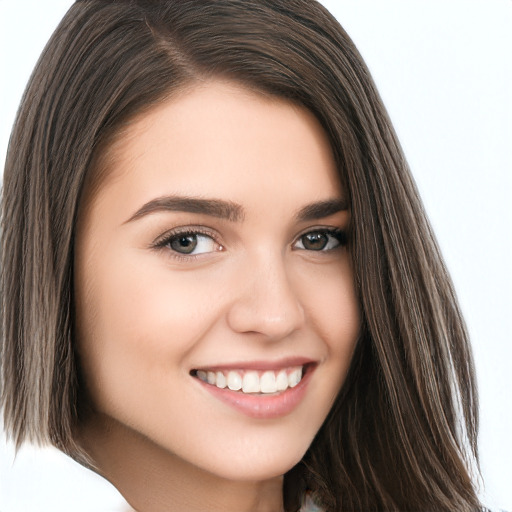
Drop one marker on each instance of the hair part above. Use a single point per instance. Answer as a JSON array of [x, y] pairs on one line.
[[402, 434]]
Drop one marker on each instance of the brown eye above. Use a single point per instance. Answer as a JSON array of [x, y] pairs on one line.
[[184, 244], [315, 241], [322, 240], [189, 243]]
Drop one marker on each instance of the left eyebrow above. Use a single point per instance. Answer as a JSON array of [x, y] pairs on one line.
[[322, 209], [214, 207]]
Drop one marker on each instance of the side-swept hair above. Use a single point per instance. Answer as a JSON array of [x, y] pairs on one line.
[[402, 434]]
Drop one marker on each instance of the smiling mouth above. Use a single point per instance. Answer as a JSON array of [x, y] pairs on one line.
[[253, 381]]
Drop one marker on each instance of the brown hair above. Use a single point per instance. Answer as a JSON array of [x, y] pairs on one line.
[[402, 434]]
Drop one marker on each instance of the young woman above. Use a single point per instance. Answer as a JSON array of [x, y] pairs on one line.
[[219, 287]]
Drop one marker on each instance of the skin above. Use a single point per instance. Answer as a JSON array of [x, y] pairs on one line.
[[147, 316]]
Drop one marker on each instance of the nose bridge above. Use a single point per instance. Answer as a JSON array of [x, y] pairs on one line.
[[266, 301]]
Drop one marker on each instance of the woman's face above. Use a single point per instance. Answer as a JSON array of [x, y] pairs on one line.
[[212, 257]]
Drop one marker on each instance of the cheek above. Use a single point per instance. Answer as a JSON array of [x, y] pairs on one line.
[[335, 315], [135, 325], [333, 308]]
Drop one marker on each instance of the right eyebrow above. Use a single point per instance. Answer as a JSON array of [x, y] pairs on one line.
[[322, 209], [214, 207]]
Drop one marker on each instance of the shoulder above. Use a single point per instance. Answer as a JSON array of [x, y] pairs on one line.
[[308, 505]]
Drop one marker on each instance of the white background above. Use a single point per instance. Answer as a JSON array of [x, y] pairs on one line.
[[444, 70]]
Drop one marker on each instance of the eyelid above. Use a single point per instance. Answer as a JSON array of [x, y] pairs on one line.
[[162, 241], [339, 233]]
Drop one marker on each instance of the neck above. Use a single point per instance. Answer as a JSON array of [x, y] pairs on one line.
[[152, 479]]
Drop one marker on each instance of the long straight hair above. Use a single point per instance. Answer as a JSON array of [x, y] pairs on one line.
[[402, 433]]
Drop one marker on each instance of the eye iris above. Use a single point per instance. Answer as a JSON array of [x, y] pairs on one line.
[[184, 243], [315, 241]]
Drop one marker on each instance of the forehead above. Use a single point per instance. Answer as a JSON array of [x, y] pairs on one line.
[[219, 139]]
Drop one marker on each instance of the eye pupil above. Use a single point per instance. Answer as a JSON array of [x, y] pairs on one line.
[[315, 241], [184, 243]]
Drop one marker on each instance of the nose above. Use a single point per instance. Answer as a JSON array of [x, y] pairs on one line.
[[266, 302]]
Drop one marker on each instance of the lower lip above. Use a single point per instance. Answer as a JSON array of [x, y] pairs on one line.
[[263, 406]]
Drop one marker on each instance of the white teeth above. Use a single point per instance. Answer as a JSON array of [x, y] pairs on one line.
[[294, 377], [282, 380], [234, 381], [221, 380], [253, 381], [268, 383]]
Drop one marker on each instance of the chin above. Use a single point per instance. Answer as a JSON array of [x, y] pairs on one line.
[[256, 457], [267, 467]]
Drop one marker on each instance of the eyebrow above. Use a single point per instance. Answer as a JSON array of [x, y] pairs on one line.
[[212, 207], [322, 209], [231, 211]]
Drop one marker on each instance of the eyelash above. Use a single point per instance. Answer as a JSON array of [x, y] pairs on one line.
[[164, 242], [338, 234]]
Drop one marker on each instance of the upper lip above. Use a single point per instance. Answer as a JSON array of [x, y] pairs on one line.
[[259, 364]]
